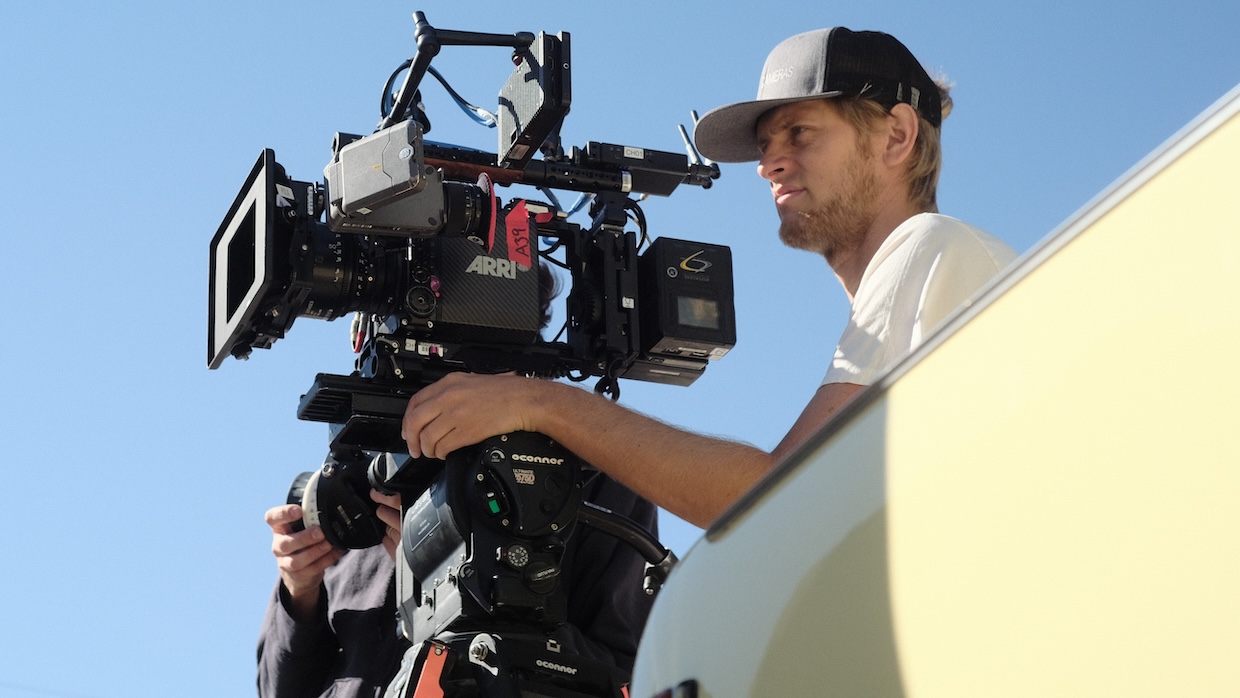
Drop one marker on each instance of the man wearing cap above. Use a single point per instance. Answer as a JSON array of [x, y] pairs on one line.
[[846, 131]]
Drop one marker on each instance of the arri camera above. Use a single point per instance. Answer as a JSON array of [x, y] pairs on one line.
[[441, 275]]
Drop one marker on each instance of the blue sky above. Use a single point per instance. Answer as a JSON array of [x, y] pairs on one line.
[[135, 559]]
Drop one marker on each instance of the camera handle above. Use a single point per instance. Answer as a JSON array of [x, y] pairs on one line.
[[430, 40], [659, 560]]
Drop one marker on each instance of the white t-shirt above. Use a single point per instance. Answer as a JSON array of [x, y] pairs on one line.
[[923, 272]]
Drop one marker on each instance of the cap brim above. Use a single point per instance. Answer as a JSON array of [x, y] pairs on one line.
[[729, 133]]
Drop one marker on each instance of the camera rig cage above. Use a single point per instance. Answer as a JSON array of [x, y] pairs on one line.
[[410, 236]]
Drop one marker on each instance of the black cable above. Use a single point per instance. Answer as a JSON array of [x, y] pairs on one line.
[[660, 560], [623, 528]]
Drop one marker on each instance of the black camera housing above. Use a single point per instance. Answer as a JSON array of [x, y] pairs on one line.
[[443, 276]]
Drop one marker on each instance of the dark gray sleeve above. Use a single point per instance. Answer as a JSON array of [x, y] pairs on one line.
[[349, 650], [607, 605], [294, 658]]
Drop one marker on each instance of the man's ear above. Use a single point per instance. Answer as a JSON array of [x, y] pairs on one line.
[[902, 128]]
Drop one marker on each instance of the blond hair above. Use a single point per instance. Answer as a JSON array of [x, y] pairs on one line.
[[927, 157]]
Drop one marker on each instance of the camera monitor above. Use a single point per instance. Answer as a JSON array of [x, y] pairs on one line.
[[535, 100]]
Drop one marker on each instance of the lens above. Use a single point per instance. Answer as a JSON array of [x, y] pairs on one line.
[[337, 499], [467, 211], [344, 273]]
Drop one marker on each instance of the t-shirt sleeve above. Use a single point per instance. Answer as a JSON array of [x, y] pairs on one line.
[[907, 296]]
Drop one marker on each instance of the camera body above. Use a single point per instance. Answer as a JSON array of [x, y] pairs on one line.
[[442, 275]]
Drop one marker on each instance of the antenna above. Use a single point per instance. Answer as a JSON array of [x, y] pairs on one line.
[[694, 156]]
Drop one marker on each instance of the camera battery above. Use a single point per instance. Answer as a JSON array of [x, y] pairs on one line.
[[379, 168], [687, 309]]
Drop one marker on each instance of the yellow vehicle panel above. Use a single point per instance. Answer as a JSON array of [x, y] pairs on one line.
[[1043, 500]]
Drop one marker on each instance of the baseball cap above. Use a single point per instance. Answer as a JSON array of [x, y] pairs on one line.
[[836, 62]]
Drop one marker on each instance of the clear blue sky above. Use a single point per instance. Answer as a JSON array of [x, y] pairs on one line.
[[134, 560]]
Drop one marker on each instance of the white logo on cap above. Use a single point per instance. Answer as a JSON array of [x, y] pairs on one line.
[[776, 75]]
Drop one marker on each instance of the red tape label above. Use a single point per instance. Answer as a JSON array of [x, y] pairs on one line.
[[517, 223]]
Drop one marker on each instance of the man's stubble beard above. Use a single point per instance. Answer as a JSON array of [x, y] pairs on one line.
[[841, 223]]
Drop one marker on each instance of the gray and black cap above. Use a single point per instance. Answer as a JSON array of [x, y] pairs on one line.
[[824, 63]]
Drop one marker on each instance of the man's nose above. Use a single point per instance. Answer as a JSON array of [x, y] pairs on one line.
[[772, 164]]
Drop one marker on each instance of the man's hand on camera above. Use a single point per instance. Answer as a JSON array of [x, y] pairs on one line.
[[462, 409], [301, 556], [389, 513]]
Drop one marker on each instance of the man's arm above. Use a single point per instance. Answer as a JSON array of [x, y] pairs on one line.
[[294, 656], [295, 645], [828, 400], [693, 476]]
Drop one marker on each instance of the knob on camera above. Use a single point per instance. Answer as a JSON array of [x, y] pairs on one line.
[[336, 497]]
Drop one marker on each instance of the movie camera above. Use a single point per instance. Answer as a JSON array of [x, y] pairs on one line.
[[441, 275]]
